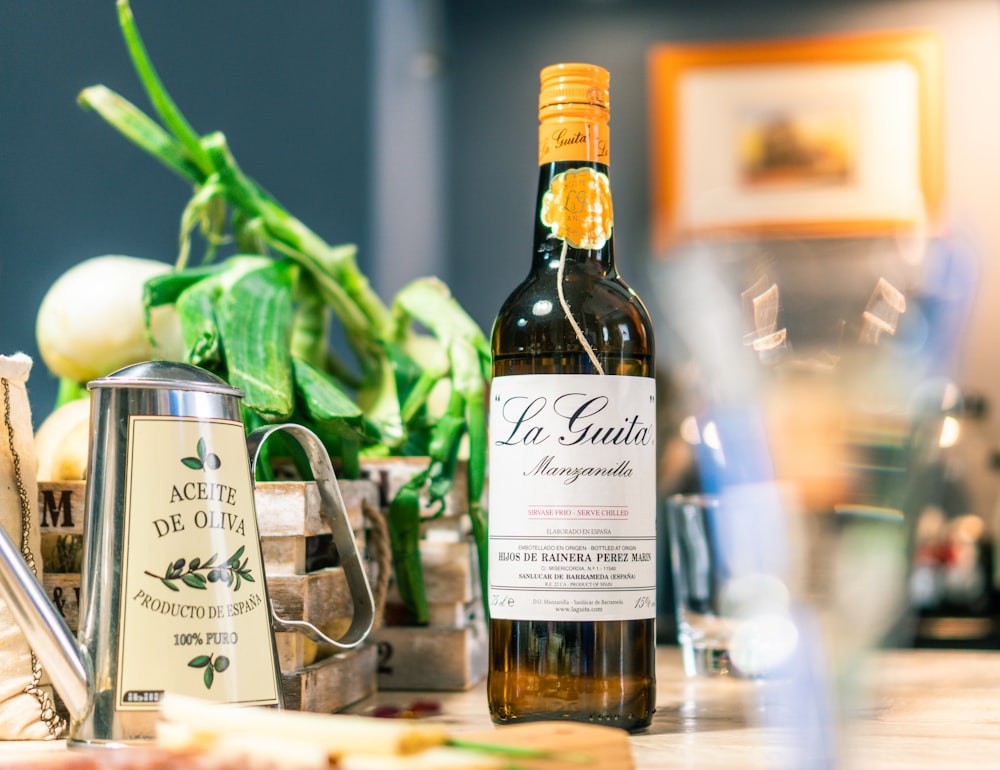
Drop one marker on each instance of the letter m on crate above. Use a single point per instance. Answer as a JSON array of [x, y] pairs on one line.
[[56, 504]]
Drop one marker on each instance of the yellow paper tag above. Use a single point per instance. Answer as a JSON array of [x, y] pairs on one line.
[[577, 208]]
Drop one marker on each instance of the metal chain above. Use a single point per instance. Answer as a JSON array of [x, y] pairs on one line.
[[48, 714]]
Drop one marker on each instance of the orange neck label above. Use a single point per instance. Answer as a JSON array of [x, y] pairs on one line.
[[575, 140]]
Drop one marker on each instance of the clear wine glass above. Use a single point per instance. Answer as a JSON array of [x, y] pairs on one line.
[[815, 374]]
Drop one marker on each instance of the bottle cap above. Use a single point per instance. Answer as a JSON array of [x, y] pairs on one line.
[[573, 85]]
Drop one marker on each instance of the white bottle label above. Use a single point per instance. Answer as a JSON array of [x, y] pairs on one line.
[[572, 502]]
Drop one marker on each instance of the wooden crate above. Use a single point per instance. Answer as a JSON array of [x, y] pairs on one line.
[[449, 653], [333, 683], [429, 658], [294, 537], [391, 473]]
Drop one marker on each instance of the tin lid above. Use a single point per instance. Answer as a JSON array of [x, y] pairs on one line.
[[166, 375]]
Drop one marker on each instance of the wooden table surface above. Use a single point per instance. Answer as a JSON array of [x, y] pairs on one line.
[[926, 709]]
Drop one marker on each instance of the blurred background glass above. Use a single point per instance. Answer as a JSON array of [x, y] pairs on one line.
[[817, 377]]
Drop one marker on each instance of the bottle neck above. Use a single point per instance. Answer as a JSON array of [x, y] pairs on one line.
[[574, 133], [574, 215]]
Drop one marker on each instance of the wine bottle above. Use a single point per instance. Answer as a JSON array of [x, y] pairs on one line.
[[572, 534]]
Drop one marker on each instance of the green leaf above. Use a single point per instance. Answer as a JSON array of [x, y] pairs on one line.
[[194, 580], [209, 676], [335, 259], [156, 92], [169, 585], [433, 367], [192, 462], [255, 318], [469, 379], [379, 400], [246, 231], [310, 329], [140, 129], [164, 289], [404, 541], [197, 304], [200, 661], [323, 397], [326, 403], [429, 301], [341, 439], [234, 560], [445, 443], [196, 314], [202, 210]]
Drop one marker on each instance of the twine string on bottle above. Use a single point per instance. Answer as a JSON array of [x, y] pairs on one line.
[[569, 315]]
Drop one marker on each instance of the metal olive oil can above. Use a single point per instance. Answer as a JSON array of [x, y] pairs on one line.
[[173, 593]]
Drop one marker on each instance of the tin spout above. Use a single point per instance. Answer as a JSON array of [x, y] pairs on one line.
[[68, 665]]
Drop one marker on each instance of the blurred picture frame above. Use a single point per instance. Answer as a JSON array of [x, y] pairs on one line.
[[817, 137]]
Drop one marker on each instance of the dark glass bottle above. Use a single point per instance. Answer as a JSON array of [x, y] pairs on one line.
[[572, 459]]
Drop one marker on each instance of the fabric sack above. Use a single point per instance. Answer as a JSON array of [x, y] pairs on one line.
[[27, 711]]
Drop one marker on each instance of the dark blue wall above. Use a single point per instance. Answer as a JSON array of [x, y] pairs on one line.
[[289, 84]]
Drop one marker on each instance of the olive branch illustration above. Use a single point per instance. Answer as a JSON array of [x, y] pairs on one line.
[[205, 459], [232, 572], [212, 667]]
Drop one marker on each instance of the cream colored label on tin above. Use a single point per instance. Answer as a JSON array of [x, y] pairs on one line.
[[194, 614]]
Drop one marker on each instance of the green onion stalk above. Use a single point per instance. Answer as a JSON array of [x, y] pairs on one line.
[[260, 319]]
